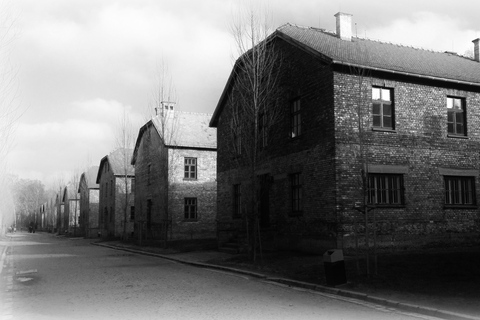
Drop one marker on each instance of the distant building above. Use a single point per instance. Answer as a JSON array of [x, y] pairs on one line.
[[116, 178], [89, 202], [363, 124], [71, 205], [175, 177]]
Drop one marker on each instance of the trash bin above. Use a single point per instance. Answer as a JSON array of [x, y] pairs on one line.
[[334, 265]]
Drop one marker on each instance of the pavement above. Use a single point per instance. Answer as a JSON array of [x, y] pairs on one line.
[[204, 258]]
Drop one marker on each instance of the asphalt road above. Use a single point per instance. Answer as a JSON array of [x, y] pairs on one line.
[[45, 277]]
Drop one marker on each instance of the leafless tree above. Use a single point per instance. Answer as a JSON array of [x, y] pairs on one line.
[[162, 111], [125, 141], [10, 110], [73, 185], [254, 107]]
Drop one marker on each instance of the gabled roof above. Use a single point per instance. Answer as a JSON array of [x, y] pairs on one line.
[[384, 56], [182, 130], [90, 177], [373, 55], [117, 163], [71, 191]]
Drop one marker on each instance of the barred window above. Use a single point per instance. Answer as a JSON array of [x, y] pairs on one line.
[[386, 189], [190, 168], [459, 190], [190, 208]]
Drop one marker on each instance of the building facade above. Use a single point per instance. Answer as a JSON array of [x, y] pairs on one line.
[[116, 178], [363, 126], [89, 203], [175, 174]]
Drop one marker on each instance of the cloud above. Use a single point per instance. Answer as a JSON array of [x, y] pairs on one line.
[[427, 30], [44, 149]]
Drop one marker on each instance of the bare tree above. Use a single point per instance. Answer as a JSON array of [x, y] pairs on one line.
[[125, 141], [254, 109], [10, 110], [162, 112], [74, 182]]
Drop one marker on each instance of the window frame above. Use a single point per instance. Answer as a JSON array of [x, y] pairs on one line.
[[295, 118], [391, 191], [461, 195], [190, 169], [463, 113], [190, 203], [263, 129], [381, 112]]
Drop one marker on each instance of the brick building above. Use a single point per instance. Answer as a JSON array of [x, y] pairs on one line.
[[116, 179], [175, 173], [363, 124], [89, 201], [71, 207]]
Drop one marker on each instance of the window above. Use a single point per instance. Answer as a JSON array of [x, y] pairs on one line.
[[190, 208], [237, 200], [385, 189], [382, 108], [111, 187], [295, 119], [132, 213], [111, 214], [456, 116], [190, 168], [296, 189], [459, 190]]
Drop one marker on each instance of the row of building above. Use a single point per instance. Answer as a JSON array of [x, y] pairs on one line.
[[369, 137]]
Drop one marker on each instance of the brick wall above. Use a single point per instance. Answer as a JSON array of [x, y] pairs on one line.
[[203, 189], [328, 156], [420, 144], [159, 178], [312, 154]]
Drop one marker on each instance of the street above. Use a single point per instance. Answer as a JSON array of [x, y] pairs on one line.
[[48, 277]]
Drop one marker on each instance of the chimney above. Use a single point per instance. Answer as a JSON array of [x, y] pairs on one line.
[[344, 26], [476, 53], [165, 106]]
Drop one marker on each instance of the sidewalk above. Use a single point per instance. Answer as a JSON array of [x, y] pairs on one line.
[[307, 271]]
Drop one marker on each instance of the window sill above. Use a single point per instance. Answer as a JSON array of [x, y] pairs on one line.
[[456, 136], [384, 130], [459, 206], [190, 179], [190, 220]]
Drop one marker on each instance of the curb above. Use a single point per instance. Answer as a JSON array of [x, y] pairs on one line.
[[314, 287]]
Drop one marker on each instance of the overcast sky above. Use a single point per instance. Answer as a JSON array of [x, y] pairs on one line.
[[81, 63]]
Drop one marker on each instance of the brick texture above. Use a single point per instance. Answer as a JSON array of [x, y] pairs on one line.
[[328, 156]]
